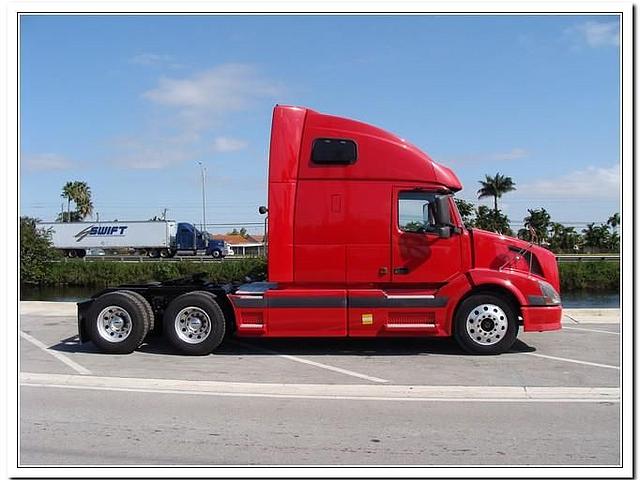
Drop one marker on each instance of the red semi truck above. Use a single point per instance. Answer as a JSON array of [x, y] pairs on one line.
[[364, 240]]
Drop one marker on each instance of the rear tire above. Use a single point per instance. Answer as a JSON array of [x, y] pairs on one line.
[[194, 323], [150, 315], [118, 322], [81, 253], [486, 325]]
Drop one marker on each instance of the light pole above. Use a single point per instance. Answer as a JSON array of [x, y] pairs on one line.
[[203, 171]]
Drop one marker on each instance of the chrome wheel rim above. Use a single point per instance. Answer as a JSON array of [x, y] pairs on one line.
[[487, 324], [114, 324], [192, 325]]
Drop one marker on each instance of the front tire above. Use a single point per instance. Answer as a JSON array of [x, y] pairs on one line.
[[216, 254], [486, 325], [118, 322], [194, 323]]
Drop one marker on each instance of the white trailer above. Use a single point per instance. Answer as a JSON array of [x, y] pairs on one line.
[[152, 238]]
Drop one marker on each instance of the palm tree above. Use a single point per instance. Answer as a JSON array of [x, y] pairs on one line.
[[537, 222], [614, 220], [495, 187], [69, 193], [80, 194], [84, 205]]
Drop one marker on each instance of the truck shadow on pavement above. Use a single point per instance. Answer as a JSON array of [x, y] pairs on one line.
[[156, 344]]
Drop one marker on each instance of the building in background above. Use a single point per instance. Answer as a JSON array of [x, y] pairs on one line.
[[247, 245]]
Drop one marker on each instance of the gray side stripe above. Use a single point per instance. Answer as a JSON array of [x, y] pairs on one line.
[[339, 302], [303, 302], [249, 302], [373, 302]]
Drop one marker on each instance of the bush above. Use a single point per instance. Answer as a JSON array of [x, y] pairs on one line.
[[36, 252], [595, 276], [104, 274]]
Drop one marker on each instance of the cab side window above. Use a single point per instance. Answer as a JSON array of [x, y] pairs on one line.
[[416, 212]]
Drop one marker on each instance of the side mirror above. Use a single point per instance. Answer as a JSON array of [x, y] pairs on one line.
[[443, 216], [444, 232], [262, 210]]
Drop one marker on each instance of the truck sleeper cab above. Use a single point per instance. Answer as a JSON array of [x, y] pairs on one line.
[[365, 240]]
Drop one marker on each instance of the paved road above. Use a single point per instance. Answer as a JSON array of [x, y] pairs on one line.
[[554, 400]]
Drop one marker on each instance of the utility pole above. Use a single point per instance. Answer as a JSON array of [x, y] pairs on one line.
[[164, 214], [203, 171]]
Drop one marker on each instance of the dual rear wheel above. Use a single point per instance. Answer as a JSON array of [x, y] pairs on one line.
[[119, 322]]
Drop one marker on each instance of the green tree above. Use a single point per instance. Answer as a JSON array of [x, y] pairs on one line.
[[596, 238], [614, 242], [487, 219], [72, 216], [80, 194], [69, 194], [84, 205], [467, 212], [495, 187], [36, 252], [536, 226], [563, 239], [614, 220]]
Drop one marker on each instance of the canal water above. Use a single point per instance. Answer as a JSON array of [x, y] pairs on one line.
[[75, 294]]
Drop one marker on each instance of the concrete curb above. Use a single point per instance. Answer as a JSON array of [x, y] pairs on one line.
[[572, 316]]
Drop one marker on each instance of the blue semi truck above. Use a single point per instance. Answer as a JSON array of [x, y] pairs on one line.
[[164, 238]]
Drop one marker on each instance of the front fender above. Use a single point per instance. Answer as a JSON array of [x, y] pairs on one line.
[[519, 285]]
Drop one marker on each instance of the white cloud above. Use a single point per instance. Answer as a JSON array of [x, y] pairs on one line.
[[151, 153], [513, 154], [196, 106], [204, 97], [597, 34], [42, 162], [589, 183], [227, 144], [154, 60]]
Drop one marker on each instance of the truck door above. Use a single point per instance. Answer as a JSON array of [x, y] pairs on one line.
[[185, 239], [419, 255]]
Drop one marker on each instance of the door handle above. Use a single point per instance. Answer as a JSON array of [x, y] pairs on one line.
[[401, 271], [383, 271]]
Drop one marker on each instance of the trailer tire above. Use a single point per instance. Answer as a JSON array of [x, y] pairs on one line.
[[194, 323], [150, 315], [118, 322], [486, 325], [81, 253], [165, 253]]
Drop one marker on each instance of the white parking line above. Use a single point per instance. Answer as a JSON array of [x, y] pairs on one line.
[[590, 330], [311, 362], [60, 356], [571, 360], [398, 393]]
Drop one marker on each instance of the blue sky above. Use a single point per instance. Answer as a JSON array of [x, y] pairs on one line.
[[130, 104]]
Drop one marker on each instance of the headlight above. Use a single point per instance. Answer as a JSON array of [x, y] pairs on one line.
[[549, 293]]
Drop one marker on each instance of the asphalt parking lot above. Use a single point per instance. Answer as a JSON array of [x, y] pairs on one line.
[[552, 400]]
